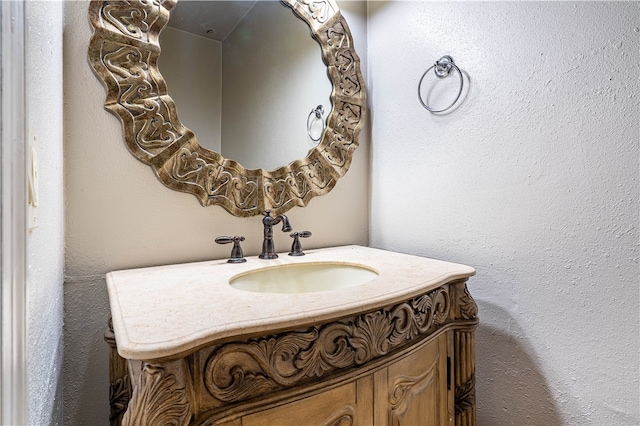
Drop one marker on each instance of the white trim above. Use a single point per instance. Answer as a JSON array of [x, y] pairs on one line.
[[13, 210]]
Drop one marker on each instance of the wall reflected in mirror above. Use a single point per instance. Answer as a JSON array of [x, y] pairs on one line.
[[245, 76]]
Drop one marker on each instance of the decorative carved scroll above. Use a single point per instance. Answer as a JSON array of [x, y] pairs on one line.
[[315, 12], [120, 384], [342, 60], [319, 10], [124, 51], [239, 371], [136, 19], [468, 307], [158, 399], [345, 416], [464, 308], [119, 395], [139, 98], [310, 176]]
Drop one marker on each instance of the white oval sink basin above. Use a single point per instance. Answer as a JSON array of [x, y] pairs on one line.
[[303, 278]]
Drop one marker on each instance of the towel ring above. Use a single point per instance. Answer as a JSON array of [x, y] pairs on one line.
[[442, 68], [318, 112]]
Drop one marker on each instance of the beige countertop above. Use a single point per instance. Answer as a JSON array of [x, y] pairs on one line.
[[164, 311]]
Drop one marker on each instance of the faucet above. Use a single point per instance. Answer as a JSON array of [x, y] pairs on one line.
[[268, 248]]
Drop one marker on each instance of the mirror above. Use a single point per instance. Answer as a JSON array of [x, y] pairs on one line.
[[124, 51], [246, 59]]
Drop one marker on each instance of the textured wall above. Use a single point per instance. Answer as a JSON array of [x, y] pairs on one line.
[[533, 180], [45, 244], [118, 215]]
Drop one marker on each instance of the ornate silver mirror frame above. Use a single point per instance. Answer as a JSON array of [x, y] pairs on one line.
[[124, 51]]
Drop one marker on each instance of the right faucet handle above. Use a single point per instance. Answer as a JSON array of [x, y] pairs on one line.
[[296, 247], [236, 252]]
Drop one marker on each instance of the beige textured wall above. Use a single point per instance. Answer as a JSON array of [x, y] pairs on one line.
[[118, 215]]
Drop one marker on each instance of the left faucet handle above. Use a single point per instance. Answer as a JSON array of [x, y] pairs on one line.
[[236, 252]]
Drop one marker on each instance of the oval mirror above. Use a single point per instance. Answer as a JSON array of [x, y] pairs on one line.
[[124, 52]]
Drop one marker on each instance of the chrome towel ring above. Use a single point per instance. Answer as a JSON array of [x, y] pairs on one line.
[[318, 112], [442, 68]]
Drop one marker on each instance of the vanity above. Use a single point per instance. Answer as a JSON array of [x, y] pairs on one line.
[[396, 348]]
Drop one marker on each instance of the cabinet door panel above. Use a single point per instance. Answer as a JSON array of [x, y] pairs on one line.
[[417, 387], [335, 407]]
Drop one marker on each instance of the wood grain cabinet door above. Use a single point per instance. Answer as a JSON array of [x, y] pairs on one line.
[[417, 389], [347, 405]]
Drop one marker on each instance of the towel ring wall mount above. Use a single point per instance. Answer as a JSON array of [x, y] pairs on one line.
[[442, 68], [318, 114]]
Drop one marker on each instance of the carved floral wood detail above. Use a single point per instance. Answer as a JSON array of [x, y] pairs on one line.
[[120, 382], [158, 399], [465, 395], [468, 307], [239, 371], [124, 51], [119, 394]]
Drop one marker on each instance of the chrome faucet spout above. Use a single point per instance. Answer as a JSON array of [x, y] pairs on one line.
[[268, 248]]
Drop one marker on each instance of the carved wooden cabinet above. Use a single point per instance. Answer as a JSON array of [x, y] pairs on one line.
[[409, 361], [411, 390]]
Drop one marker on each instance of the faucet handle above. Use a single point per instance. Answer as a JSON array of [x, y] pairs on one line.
[[296, 247], [236, 252]]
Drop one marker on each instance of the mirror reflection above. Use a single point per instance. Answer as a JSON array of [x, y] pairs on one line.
[[246, 78]]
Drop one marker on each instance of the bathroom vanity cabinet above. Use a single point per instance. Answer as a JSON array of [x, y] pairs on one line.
[[396, 351], [412, 389]]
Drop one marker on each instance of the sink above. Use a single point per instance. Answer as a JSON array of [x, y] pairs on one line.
[[303, 278]]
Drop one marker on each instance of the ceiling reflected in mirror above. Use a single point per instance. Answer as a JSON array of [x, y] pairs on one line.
[[211, 19]]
